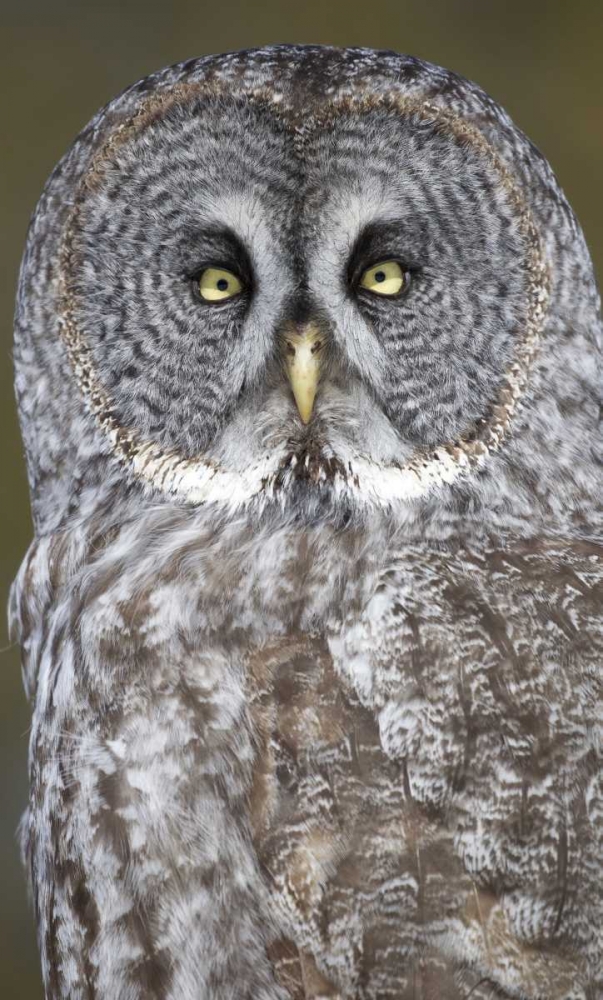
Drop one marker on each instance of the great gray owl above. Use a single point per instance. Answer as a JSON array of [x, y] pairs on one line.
[[308, 364]]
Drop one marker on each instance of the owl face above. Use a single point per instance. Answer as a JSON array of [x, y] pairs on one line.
[[336, 299]]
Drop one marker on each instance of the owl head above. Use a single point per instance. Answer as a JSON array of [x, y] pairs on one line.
[[309, 278]]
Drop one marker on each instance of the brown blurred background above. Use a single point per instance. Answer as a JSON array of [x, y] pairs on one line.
[[62, 59]]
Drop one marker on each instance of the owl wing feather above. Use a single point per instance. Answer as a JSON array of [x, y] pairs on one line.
[[145, 881], [428, 789]]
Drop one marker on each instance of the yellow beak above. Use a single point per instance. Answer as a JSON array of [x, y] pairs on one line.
[[303, 349]]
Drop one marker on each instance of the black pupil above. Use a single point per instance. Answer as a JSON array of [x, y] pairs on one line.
[[222, 284], [379, 275]]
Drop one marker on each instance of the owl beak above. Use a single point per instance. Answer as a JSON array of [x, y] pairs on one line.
[[302, 350]]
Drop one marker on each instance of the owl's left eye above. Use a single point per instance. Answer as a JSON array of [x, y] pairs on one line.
[[217, 284], [386, 278]]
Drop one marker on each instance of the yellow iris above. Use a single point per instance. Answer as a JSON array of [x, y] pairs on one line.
[[216, 283], [386, 278]]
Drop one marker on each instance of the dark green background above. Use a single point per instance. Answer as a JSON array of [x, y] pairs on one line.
[[61, 60]]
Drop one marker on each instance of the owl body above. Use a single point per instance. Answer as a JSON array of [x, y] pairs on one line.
[[316, 702]]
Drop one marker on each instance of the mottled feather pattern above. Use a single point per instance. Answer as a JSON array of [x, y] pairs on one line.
[[322, 738], [380, 772]]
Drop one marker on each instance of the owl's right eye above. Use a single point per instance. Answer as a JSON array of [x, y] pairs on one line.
[[216, 284], [388, 278]]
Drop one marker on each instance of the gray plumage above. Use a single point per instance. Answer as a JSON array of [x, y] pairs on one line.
[[316, 708]]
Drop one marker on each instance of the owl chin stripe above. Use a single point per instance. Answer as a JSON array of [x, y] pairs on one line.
[[361, 480]]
